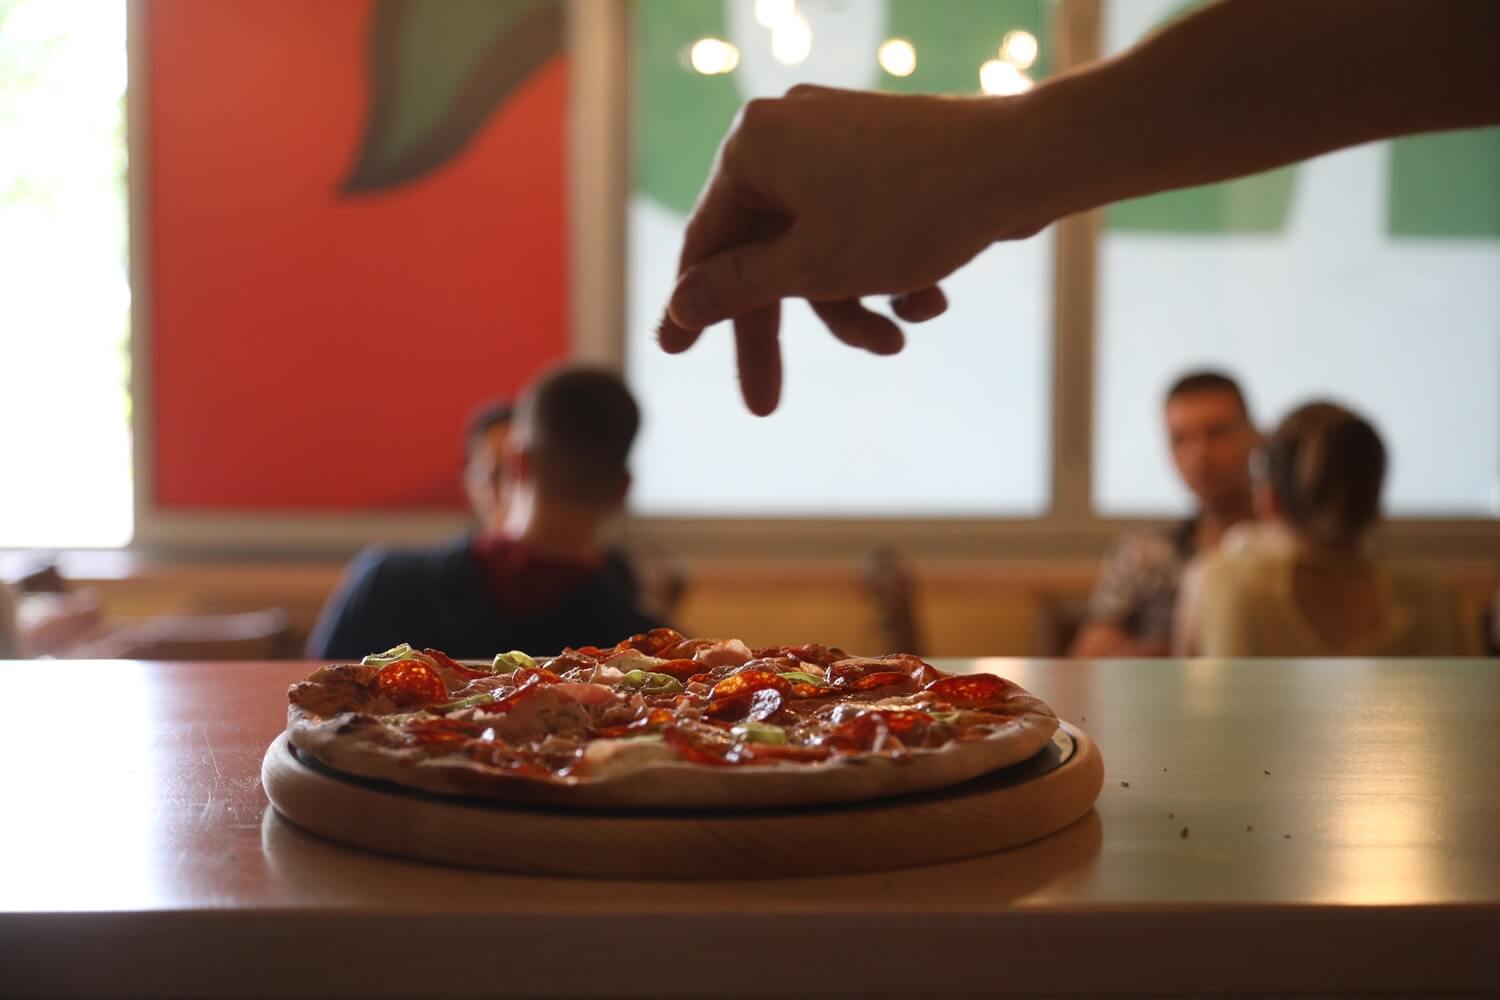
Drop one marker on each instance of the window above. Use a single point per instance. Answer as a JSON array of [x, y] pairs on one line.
[[1370, 276], [64, 289], [960, 424]]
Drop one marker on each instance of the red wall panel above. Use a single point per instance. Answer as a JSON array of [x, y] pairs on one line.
[[311, 350]]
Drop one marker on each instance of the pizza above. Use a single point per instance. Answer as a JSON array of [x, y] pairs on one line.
[[662, 721]]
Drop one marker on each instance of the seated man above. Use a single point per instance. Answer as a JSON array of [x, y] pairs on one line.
[[486, 450], [487, 483], [1211, 436], [536, 578], [1319, 593]]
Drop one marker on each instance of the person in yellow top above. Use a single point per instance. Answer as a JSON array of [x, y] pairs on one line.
[[1309, 587]]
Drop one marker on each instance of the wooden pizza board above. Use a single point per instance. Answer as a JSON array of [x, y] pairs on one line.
[[999, 810]]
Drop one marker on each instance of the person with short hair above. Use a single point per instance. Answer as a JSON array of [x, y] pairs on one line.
[[1321, 594], [537, 576], [1211, 436], [486, 444]]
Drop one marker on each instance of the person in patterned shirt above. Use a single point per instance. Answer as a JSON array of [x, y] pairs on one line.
[[1212, 438]]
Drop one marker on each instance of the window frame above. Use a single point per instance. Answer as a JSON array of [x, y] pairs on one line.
[[1070, 529]]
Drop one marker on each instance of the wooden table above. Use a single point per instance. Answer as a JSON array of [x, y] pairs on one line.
[[1272, 827]]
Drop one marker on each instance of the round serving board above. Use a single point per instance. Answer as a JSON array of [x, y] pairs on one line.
[[990, 813]]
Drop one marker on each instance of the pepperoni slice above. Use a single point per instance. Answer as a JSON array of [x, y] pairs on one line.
[[652, 643], [444, 660], [700, 752], [871, 730], [540, 674], [905, 723], [510, 701], [922, 671], [811, 653], [914, 666], [735, 697], [861, 734], [686, 648], [880, 679], [843, 674], [572, 659], [410, 682], [972, 690], [683, 670], [847, 674], [655, 717], [748, 681], [442, 733], [692, 750]]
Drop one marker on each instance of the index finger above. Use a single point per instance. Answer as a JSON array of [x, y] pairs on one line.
[[719, 221]]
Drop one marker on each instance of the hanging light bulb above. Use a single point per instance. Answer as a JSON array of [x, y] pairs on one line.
[[1019, 48], [1001, 79], [898, 57], [792, 40], [713, 56], [770, 13]]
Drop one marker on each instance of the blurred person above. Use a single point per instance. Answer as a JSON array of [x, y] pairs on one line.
[[536, 576], [486, 446], [1320, 593], [51, 623], [10, 632], [487, 484], [1260, 533], [1211, 436]]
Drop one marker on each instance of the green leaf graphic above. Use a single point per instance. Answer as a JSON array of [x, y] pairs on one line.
[[1446, 185], [439, 69], [1256, 204]]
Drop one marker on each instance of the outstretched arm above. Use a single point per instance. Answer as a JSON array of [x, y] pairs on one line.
[[832, 195]]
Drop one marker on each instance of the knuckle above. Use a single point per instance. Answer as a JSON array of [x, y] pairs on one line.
[[735, 272], [754, 113]]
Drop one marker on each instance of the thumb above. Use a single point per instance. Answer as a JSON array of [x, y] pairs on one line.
[[733, 283]]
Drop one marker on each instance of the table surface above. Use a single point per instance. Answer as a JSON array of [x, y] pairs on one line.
[[1324, 827]]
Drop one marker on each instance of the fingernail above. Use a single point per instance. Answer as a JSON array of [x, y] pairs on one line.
[[690, 306]]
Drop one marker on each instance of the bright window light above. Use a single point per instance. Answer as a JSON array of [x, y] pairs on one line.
[[64, 287]]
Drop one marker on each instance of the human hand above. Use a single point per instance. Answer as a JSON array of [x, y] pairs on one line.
[[830, 195]]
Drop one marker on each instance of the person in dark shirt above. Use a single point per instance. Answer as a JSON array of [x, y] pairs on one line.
[[536, 576], [487, 483]]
